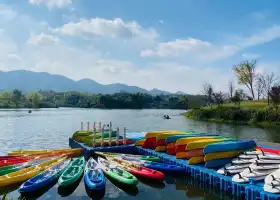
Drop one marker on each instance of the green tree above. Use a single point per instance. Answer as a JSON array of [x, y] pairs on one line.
[[245, 73], [6, 97], [275, 96], [36, 99], [17, 97]]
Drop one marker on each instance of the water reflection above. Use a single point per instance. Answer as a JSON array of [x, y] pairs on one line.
[[67, 191]]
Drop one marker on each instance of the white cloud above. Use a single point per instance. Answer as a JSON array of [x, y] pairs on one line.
[[43, 39], [52, 3], [160, 21], [250, 56], [115, 28], [190, 47], [7, 12]]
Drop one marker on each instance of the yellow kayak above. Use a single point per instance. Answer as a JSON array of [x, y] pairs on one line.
[[155, 133], [196, 160], [33, 152], [139, 142], [161, 149], [202, 143], [221, 155], [181, 155], [163, 136], [27, 173], [184, 141]]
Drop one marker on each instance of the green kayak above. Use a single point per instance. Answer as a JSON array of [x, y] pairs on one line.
[[130, 156], [116, 173], [72, 173], [13, 168]]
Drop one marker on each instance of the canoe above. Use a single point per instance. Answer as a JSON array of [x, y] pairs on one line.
[[196, 160], [73, 173], [45, 178], [221, 155], [230, 146], [174, 138], [181, 155], [93, 177], [163, 167], [37, 152], [161, 149], [202, 143], [139, 142], [194, 153], [185, 141], [138, 170], [116, 173], [25, 174], [217, 163]]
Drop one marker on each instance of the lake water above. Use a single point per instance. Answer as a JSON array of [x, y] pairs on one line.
[[51, 128]]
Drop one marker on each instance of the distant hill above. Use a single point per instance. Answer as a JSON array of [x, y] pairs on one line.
[[32, 81]]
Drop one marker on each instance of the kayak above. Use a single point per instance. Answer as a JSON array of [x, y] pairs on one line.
[[275, 151], [25, 174], [221, 155], [34, 152], [274, 189], [93, 177], [273, 178], [113, 171], [11, 162], [139, 142], [217, 163], [202, 143], [161, 149], [12, 158], [73, 172], [162, 167], [160, 139], [181, 155], [130, 156], [194, 153], [248, 174], [185, 141], [138, 170], [174, 138], [45, 178], [196, 160], [230, 146]]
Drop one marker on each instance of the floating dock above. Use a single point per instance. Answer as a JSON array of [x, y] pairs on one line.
[[252, 191]]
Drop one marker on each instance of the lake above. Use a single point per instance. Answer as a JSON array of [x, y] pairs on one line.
[[51, 128]]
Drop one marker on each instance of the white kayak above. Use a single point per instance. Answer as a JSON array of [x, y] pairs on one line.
[[229, 172], [234, 167], [266, 162], [257, 166], [271, 188], [253, 153], [239, 161], [268, 157], [273, 178]]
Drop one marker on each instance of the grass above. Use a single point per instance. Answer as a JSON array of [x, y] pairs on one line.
[[244, 104]]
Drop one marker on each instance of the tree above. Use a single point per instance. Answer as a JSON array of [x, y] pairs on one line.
[[36, 99], [17, 97], [268, 81], [219, 98], [245, 73], [208, 92], [259, 87], [6, 97], [231, 88], [274, 94]]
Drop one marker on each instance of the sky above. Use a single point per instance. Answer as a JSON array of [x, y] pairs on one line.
[[169, 45]]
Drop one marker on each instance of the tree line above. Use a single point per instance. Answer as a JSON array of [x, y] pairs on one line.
[[260, 86], [51, 99]]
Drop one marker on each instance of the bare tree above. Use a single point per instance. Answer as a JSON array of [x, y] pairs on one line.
[[268, 81], [245, 73], [208, 92], [231, 88], [219, 98], [259, 87]]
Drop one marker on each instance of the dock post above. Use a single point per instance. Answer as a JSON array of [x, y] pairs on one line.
[[88, 126], [110, 133], [117, 139], [82, 126], [100, 127], [102, 137], [94, 127], [124, 136], [94, 135]]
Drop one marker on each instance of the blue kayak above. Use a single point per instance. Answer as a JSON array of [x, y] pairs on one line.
[[217, 163], [94, 178], [174, 138], [229, 146], [162, 166], [45, 178]]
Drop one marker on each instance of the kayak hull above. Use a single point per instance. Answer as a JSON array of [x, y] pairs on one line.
[[93, 177]]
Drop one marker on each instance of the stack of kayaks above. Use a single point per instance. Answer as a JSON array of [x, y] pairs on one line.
[[171, 140], [161, 145], [150, 138], [219, 154], [84, 136], [181, 146]]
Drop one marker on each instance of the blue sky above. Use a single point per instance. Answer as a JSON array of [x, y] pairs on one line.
[[150, 44]]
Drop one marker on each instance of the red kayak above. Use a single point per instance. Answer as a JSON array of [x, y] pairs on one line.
[[12, 158], [11, 162], [275, 151], [150, 143], [180, 148]]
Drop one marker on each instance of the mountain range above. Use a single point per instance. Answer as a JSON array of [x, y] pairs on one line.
[[28, 81]]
